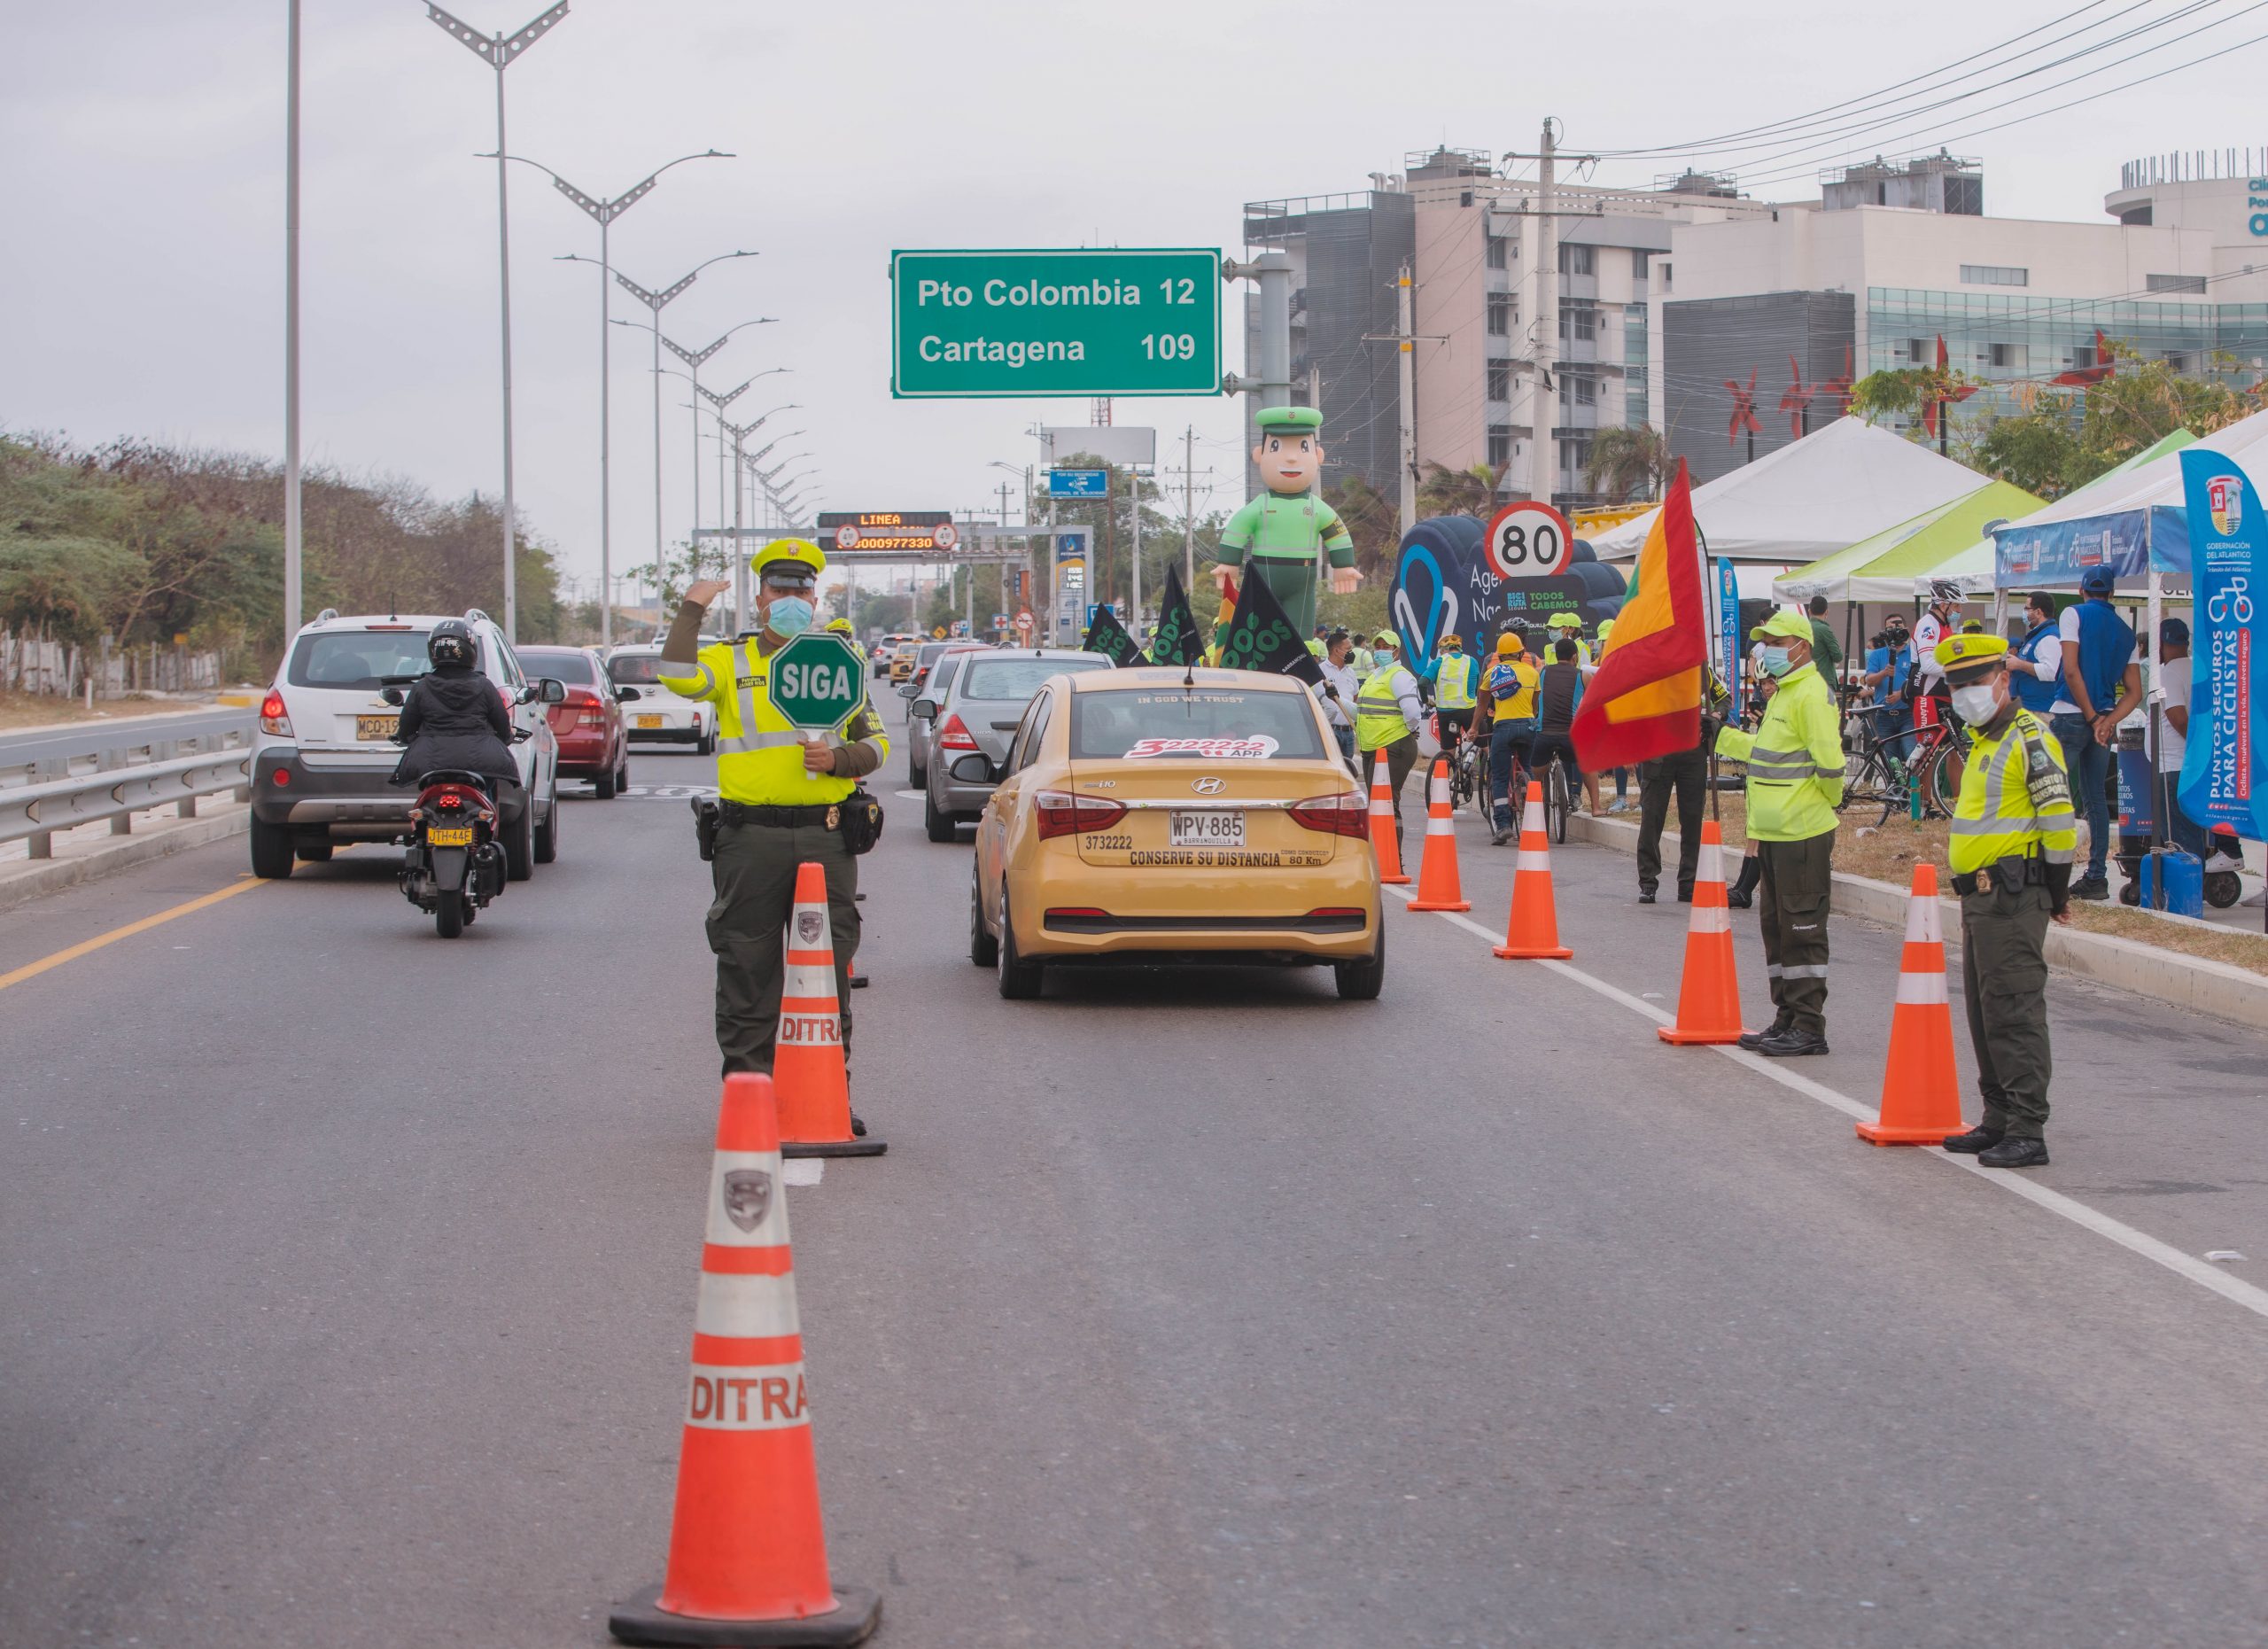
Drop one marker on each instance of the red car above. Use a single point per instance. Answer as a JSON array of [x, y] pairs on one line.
[[588, 726]]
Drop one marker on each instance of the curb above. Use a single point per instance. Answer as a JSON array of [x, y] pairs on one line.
[[40, 877], [2203, 986]]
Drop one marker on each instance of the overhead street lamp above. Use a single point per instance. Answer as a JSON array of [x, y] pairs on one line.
[[739, 432], [603, 212], [500, 52], [656, 301], [693, 358]]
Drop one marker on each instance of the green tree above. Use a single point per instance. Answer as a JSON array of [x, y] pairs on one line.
[[1629, 459], [1372, 519], [1472, 492]]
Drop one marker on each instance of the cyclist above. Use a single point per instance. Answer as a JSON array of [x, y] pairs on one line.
[[1455, 680], [1560, 689], [1508, 711], [1889, 658]]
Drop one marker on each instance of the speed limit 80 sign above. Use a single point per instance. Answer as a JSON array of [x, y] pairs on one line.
[[1529, 540]]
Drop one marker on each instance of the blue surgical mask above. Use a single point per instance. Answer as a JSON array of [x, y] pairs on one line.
[[788, 615], [1776, 661]]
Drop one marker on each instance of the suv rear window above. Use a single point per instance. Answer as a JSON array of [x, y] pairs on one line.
[[1017, 679], [357, 659], [635, 669], [572, 668], [1195, 724]]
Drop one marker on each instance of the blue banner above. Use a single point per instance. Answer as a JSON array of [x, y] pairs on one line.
[[1443, 584], [2052, 555], [2221, 778], [1729, 633]]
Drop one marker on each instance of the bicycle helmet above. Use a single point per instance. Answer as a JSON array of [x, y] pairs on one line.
[[452, 643], [1943, 592], [1452, 640]]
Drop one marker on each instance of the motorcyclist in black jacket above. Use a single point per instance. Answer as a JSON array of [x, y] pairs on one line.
[[454, 716]]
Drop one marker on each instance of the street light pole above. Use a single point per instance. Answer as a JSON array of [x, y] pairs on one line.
[[500, 52], [604, 213], [693, 358], [739, 433], [293, 525]]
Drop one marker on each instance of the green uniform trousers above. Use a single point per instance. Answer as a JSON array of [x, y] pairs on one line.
[[1684, 774], [754, 872], [1401, 757], [1292, 579], [2004, 982], [1791, 901]]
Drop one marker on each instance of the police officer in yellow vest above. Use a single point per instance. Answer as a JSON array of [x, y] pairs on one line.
[[1795, 782], [781, 800], [1386, 714], [2014, 838]]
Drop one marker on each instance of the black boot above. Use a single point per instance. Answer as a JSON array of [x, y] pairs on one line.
[[2014, 1153], [1752, 1039], [1976, 1139], [1742, 894]]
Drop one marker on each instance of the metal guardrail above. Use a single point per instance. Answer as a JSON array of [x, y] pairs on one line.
[[35, 812], [98, 751]]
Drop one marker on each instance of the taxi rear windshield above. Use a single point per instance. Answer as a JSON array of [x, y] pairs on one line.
[[635, 669], [1197, 725], [359, 660]]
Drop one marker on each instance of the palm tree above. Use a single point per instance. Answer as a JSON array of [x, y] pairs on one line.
[[1447, 492], [1371, 518], [1627, 459]]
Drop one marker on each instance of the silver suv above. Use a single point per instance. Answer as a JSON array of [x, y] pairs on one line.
[[978, 717], [324, 755]]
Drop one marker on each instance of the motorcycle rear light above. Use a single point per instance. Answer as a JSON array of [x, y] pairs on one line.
[[1345, 813], [451, 799], [955, 735], [273, 717], [1062, 813]]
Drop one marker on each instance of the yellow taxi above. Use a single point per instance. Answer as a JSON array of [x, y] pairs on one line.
[[1158, 815]]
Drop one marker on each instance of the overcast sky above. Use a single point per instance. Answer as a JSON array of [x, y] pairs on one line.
[[145, 149]]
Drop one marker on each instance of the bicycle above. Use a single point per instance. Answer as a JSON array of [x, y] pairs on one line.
[[1475, 758], [1558, 804], [1897, 770]]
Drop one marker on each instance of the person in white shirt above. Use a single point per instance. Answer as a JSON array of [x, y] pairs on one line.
[[2173, 734], [1339, 686]]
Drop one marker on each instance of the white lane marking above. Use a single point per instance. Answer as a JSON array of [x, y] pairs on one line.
[[913, 796], [2183, 1265], [803, 1170]]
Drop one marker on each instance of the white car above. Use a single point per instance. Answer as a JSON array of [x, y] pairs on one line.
[[652, 712], [323, 758]]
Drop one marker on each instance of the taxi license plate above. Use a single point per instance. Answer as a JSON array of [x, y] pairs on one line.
[[368, 728], [1207, 827], [449, 836], [649, 721]]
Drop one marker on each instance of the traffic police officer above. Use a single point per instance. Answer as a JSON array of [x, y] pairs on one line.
[[1386, 719], [781, 802], [2013, 838], [1795, 783]]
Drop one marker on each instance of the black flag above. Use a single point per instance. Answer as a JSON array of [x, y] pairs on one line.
[[1106, 635], [1259, 635], [1175, 639]]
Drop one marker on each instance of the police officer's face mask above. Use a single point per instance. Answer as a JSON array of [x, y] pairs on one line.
[[1979, 703], [787, 614]]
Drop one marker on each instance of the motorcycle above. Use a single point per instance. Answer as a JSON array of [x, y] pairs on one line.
[[453, 864]]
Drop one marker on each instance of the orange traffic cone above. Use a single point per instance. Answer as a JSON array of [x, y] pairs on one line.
[[859, 981], [1534, 928], [1708, 997], [747, 1552], [1921, 1090], [1385, 840], [1438, 888], [807, 1064]]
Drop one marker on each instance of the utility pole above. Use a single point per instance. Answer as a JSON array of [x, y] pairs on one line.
[[1405, 339], [1188, 507], [1273, 387], [500, 52], [293, 535], [1134, 596], [1543, 461]]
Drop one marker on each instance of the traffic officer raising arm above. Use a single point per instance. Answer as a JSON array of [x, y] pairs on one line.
[[1795, 783], [782, 801], [2015, 836]]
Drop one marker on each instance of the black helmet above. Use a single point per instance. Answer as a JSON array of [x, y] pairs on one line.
[[452, 643]]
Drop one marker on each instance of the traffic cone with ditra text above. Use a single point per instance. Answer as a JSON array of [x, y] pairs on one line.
[[1385, 840], [808, 1068], [1438, 886], [747, 1552], [1708, 996], [1534, 930], [1921, 1089]]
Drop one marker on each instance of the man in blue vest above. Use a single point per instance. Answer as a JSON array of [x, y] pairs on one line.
[[2102, 684], [2036, 663]]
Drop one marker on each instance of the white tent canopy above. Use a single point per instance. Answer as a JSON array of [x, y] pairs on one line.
[[1812, 497]]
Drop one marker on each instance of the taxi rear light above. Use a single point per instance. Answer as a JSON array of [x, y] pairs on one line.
[[1062, 813], [1339, 910], [1346, 813], [955, 735], [273, 717], [1076, 910]]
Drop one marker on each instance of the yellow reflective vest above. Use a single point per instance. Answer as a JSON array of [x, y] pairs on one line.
[[2016, 799], [1795, 761], [1378, 720], [1454, 679], [759, 751]]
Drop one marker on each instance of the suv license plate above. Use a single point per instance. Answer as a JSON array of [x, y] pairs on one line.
[[1208, 826], [649, 721], [449, 836], [371, 728]]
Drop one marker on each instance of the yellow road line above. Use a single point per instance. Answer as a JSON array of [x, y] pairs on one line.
[[31, 970]]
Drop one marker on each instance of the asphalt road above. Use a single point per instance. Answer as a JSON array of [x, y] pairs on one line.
[[129, 730], [346, 1282]]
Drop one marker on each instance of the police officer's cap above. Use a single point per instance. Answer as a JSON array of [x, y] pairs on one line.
[[1966, 657], [790, 559], [1786, 623], [1385, 638], [1563, 621], [1288, 420]]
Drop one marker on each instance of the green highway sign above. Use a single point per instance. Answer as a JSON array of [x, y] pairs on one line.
[[982, 326], [816, 681]]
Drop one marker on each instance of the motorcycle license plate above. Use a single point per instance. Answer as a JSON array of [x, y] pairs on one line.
[[1207, 827], [449, 836], [371, 728], [649, 721]]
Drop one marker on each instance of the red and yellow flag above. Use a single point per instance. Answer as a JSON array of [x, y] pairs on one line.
[[1645, 700]]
